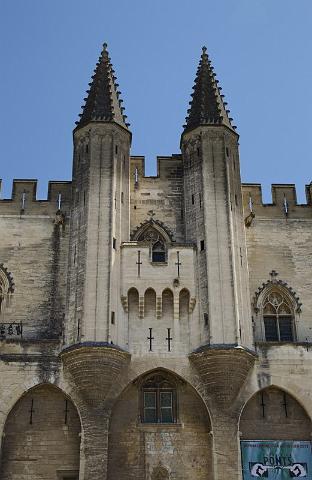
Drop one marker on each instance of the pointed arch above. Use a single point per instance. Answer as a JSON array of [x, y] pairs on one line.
[[151, 229], [168, 304], [157, 236], [35, 442], [150, 303], [184, 301], [273, 413], [279, 285], [126, 432], [277, 307], [133, 301]]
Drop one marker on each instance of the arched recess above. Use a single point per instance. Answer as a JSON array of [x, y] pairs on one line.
[[150, 304], [167, 305], [274, 414], [184, 311], [133, 316], [41, 437], [181, 449], [133, 303]]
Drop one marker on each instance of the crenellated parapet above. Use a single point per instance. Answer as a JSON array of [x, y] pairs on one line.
[[24, 201], [284, 202]]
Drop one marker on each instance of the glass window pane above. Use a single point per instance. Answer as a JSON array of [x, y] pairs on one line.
[[166, 411], [150, 415], [166, 399], [159, 257], [150, 412], [150, 399], [286, 332], [166, 415], [270, 327]]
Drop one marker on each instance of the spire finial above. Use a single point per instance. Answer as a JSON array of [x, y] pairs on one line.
[[207, 107], [103, 103]]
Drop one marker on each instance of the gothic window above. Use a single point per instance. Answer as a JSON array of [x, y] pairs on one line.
[[158, 400], [157, 244], [278, 318], [158, 252]]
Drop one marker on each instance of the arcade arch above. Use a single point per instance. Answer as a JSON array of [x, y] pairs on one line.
[[274, 414], [137, 449], [41, 437]]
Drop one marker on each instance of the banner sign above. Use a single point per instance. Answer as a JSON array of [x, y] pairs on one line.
[[276, 460]]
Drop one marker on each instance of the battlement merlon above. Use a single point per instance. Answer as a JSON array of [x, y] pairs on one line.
[[284, 201], [24, 198]]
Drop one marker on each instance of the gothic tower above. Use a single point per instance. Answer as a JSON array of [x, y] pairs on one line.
[[99, 223], [213, 212], [100, 211], [214, 221]]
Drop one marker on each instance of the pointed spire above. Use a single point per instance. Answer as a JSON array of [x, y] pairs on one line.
[[207, 106], [103, 103]]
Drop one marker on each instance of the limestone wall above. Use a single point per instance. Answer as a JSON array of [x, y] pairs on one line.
[[137, 449], [160, 308], [33, 255], [279, 239], [213, 430], [162, 194], [41, 437]]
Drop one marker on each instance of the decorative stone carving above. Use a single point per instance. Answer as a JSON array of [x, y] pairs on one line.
[[151, 230], [192, 304], [274, 282], [6, 279], [124, 302]]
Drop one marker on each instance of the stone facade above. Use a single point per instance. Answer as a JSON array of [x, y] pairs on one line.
[[148, 324]]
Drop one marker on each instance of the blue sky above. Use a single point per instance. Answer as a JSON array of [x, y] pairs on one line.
[[261, 51]]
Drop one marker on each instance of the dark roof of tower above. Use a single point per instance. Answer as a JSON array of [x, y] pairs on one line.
[[103, 103], [207, 106]]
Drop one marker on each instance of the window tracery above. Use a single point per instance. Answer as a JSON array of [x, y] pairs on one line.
[[157, 244], [157, 235], [278, 317], [277, 307]]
